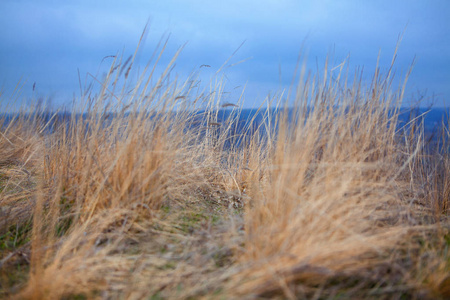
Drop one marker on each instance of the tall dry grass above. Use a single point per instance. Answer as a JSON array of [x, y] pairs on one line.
[[142, 196]]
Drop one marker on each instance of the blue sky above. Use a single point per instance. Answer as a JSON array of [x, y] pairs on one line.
[[47, 42]]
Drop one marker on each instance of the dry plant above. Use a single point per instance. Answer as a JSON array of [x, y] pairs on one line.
[[152, 193]]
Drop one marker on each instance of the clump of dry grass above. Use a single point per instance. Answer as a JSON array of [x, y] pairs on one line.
[[143, 196]]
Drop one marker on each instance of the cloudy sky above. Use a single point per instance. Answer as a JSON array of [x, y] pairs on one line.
[[47, 43]]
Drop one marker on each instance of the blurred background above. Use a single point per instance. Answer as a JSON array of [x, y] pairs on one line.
[[51, 50]]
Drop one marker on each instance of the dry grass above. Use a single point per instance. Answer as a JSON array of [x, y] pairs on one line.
[[139, 198]]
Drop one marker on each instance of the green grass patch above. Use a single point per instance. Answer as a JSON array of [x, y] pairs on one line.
[[16, 236]]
